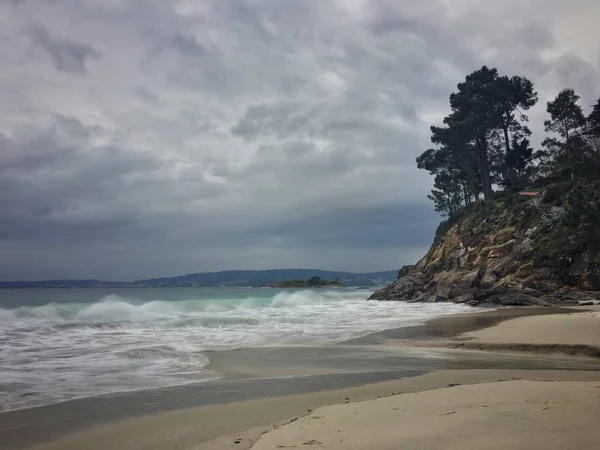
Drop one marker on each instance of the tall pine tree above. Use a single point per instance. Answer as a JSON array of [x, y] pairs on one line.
[[566, 120], [483, 137]]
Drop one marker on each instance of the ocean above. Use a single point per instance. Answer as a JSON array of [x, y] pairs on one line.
[[60, 344]]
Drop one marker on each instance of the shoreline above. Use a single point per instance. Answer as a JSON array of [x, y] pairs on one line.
[[447, 326], [569, 331], [210, 375], [93, 420]]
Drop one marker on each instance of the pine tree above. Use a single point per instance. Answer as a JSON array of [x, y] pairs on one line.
[[475, 147], [593, 129], [593, 120], [567, 120], [566, 116], [518, 159]]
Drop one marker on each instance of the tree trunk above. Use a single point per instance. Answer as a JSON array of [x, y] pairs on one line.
[[466, 195], [506, 140], [514, 181], [484, 166], [571, 152], [507, 145], [449, 202]]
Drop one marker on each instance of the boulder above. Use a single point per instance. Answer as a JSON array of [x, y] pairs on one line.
[[577, 269], [454, 260], [543, 281], [470, 280], [523, 250], [497, 251], [505, 235], [402, 289], [433, 268], [405, 270], [502, 250], [379, 294], [498, 288], [567, 296], [518, 299], [474, 302], [465, 298], [431, 285], [421, 297], [503, 266], [446, 278], [480, 294], [457, 292], [526, 270], [426, 297], [418, 277], [443, 292], [488, 280], [590, 280], [532, 292]]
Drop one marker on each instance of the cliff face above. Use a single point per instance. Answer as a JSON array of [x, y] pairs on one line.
[[497, 254]]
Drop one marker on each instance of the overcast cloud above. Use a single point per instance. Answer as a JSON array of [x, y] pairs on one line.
[[145, 138]]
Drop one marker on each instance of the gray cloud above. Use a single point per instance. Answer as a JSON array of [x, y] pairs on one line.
[[245, 134], [574, 72], [67, 55]]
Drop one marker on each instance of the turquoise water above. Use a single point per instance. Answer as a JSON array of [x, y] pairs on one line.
[[57, 344]]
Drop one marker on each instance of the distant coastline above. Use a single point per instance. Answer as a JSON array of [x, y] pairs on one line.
[[290, 278]]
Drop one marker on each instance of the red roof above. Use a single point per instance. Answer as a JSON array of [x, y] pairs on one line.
[[530, 193]]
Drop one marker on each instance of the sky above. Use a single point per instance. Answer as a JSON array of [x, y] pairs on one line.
[[143, 138]]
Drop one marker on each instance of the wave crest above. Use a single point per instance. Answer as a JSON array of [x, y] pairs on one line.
[[115, 308]]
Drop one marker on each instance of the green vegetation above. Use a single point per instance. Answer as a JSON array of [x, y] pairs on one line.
[[484, 140], [485, 144], [314, 282], [575, 228]]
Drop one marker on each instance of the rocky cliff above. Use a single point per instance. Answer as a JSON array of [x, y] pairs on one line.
[[511, 251]]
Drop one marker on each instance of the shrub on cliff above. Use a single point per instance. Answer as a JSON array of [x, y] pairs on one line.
[[555, 194], [576, 233], [582, 215]]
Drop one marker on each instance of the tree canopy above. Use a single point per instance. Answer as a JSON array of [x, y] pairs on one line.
[[484, 138], [484, 143]]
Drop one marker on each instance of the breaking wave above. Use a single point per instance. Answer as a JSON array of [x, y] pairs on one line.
[[65, 349]]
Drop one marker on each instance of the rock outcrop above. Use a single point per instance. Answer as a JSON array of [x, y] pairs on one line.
[[491, 256]]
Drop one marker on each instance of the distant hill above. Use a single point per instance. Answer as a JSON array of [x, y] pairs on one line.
[[230, 278], [241, 278]]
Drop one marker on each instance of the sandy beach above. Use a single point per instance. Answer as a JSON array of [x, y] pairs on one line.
[[452, 397], [513, 413], [501, 415], [573, 331]]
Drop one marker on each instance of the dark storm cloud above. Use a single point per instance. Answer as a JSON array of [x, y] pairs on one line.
[[67, 55], [208, 135], [580, 75], [370, 227], [280, 119]]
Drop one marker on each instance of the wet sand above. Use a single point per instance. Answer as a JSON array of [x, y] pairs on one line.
[[575, 331], [263, 386], [504, 414], [456, 324]]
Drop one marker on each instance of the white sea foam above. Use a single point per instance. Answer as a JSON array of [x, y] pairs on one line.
[[58, 351]]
